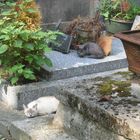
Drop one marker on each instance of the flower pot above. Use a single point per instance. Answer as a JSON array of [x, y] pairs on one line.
[[114, 26], [85, 35], [131, 44]]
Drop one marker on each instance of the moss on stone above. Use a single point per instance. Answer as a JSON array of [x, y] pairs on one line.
[[105, 88], [111, 86]]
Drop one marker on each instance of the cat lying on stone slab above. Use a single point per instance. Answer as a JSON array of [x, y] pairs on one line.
[[91, 50], [105, 42], [41, 106], [97, 50]]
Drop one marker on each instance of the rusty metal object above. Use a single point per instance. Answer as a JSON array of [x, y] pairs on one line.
[[131, 42]]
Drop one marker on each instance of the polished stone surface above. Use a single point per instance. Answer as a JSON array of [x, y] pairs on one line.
[[70, 65]]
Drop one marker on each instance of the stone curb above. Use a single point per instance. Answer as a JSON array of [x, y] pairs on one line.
[[16, 96], [86, 69]]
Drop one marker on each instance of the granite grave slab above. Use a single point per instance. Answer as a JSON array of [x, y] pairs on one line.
[[70, 65]]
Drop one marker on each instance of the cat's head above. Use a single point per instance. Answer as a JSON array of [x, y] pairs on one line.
[[30, 112], [81, 51]]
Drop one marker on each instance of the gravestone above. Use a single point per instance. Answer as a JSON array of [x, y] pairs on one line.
[[53, 10]]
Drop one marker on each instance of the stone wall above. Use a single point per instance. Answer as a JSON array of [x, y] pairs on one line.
[[53, 10]]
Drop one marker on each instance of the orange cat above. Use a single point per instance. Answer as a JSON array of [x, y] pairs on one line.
[[105, 42]]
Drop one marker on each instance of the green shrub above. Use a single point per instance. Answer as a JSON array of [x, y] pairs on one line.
[[113, 9], [22, 49]]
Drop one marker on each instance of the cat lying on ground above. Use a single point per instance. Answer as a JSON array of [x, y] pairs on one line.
[[41, 106], [97, 50]]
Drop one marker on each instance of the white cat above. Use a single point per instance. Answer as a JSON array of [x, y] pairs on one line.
[[41, 106]]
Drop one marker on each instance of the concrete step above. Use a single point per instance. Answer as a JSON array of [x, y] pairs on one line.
[[7, 116], [70, 65], [15, 126], [89, 115], [38, 128]]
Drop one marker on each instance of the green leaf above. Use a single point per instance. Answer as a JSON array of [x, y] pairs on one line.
[[14, 80], [39, 60], [10, 4], [18, 43], [39, 35], [2, 22], [16, 53], [30, 10], [5, 31], [28, 1], [6, 13], [4, 37], [28, 74], [29, 46], [47, 49], [48, 62], [16, 67], [24, 35], [28, 71], [20, 71], [29, 58], [3, 49]]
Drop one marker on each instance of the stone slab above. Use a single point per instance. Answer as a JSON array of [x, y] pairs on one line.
[[83, 128], [120, 114], [8, 115], [15, 126], [52, 11], [39, 128], [70, 65]]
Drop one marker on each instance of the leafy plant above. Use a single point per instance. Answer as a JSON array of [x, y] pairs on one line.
[[22, 45], [28, 13], [84, 29], [119, 9], [105, 8]]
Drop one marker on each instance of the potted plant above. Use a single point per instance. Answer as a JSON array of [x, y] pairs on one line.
[[22, 42], [118, 14], [85, 29]]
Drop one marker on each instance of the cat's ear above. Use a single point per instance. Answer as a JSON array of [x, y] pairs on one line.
[[35, 106], [24, 106]]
